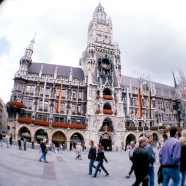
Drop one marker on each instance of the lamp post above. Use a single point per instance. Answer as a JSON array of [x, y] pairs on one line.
[[88, 122], [50, 119]]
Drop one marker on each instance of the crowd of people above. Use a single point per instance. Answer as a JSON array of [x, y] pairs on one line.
[[172, 158]]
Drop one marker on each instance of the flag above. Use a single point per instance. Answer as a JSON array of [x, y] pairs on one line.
[[44, 92], [149, 104], [77, 99], [59, 99], [139, 105], [127, 97]]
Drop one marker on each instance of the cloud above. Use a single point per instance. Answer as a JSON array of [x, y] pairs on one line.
[[151, 35]]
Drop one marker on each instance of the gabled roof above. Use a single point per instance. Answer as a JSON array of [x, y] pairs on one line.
[[62, 71], [162, 90], [77, 73]]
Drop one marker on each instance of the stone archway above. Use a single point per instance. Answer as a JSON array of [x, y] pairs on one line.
[[130, 137], [24, 132], [76, 138], [59, 138], [106, 141], [107, 125], [41, 134]]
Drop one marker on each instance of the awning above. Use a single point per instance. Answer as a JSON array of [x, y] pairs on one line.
[[41, 137], [26, 134]]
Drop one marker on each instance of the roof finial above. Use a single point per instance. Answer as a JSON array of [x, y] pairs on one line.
[[175, 84]]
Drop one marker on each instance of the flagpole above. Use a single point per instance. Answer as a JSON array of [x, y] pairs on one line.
[[59, 98], [77, 99], [127, 101], [139, 105], [149, 105], [44, 92]]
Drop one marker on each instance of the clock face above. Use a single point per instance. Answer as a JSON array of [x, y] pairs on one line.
[[103, 28]]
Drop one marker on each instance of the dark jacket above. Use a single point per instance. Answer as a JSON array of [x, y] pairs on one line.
[[100, 156], [19, 142], [43, 147], [141, 161], [183, 158], [92, 153]]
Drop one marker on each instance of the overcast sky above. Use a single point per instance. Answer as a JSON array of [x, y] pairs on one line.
[[151, 35]]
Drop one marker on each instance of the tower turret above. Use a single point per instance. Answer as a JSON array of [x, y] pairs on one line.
[[26, 60]]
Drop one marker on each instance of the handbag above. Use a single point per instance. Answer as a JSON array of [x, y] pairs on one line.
[[160, 175]]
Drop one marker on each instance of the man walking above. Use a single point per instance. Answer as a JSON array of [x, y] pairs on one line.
[[100, 157], [131, 150], [141, 163], [91, 156], [152, 158], [44, 150], [169, 157]]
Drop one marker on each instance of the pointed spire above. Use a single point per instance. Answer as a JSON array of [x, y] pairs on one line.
[[41, 71], [29, 50], [55, 73], [175, 83], [70, 75]]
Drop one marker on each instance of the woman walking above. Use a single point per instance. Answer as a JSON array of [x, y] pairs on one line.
[[100, 157]]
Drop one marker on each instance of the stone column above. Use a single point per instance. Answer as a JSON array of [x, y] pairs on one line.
[[68, 145]]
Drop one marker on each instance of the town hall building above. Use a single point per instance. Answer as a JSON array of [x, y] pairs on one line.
[[95, 101]]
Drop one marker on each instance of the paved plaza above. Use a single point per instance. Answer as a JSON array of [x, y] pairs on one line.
[[22, 168]]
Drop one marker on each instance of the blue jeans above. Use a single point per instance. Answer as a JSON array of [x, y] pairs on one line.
[[171, 173], [151, 175], [183, 178], [91, 164], [43, 155]]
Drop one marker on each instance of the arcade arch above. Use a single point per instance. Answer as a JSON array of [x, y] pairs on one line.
[[58, 138], [76, 138], [130, 137], [41, 134], [24, 132]]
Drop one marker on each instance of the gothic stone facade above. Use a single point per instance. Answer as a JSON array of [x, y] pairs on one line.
[[96, 101]]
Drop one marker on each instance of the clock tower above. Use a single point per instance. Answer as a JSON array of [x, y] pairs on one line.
[[101, 65]]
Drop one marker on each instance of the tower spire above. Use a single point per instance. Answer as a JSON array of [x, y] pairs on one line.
[[175, 83], [26, 60], [29, 49]]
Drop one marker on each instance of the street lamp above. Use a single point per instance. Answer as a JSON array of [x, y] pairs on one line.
[[51, 119], [88, 123]]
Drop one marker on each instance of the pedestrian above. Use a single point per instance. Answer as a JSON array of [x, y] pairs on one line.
[[169, 157], [78, 151], [123, 149], [33, 144], [40, 146], [7, 140], [84, 149], [19, 143], [100, 157], [141, 163], [131, 150], [92, 157], [44, 151], [24, 143], [152, 158], [1, 139], [10, 139], [183, 160]]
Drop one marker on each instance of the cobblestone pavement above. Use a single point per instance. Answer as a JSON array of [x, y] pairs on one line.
[[22, 168]]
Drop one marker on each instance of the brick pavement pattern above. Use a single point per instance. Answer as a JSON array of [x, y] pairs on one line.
[[22, 168]]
